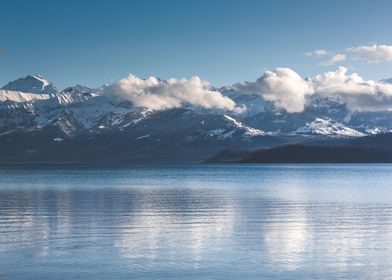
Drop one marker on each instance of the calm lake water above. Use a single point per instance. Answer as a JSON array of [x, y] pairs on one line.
[[196, 222]]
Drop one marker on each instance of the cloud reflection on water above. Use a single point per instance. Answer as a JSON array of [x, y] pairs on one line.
[[271, 225]]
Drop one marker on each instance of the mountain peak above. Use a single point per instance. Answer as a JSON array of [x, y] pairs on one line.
[[31, 84], [79, 88], [387, 80]]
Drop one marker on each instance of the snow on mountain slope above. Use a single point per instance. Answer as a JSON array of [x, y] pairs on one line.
[[80, 108], [376, 130], [248, 131], [34, 111], [387, 80], [325, 126], [24, 97], [17, 96], [230, 128], [79, 89], [31, 84], [253, 103]]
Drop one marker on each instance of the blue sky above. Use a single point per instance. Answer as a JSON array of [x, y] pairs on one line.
[[97, 42]]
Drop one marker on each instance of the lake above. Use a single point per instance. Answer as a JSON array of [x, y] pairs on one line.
[[196, 222]]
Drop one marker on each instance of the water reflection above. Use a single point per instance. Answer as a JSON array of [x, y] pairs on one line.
[[184, 222], [245, 223], [287, 236]]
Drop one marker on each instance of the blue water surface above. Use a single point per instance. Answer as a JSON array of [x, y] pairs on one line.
[[196, 222]]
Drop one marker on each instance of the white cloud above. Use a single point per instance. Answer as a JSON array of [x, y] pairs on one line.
[[155, 94], [283, 86], [288, 90], [371, 53], [359, 94], [334, 59], [375, 53], [317, 53]]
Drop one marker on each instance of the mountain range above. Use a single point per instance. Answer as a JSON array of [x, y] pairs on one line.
[[41, 124]]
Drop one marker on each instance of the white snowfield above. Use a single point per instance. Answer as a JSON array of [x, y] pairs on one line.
[[326, 126], [31, 84], [17, 96], [44, 82], [249, 131]]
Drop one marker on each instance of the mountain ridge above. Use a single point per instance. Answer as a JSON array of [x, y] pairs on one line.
[[300, 153], [78, 114], [31, 84]]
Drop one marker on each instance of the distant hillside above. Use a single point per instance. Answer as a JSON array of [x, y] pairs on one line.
[[383, 140], [308, 154]]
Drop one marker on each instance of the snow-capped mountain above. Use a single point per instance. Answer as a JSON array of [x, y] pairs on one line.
[[387, 80], [31, 84], [84, 123], [326, 126], [79, 89]]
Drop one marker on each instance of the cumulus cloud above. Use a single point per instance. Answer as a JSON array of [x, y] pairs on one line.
[[283, 86], [359, 94], [374, 53], [156, 94], [317, 53], [289, 91], [334, 59]]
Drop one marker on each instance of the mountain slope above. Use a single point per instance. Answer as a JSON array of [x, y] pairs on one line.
[[31, 84], [80, 124], [307, 154], [326, 126]]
